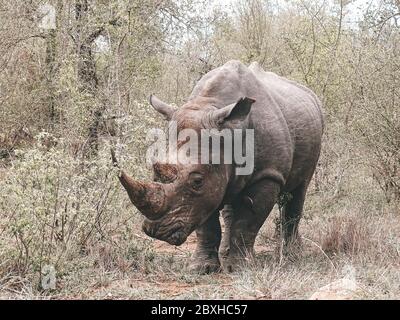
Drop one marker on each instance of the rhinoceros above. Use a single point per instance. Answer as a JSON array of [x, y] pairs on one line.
[[288, 124]]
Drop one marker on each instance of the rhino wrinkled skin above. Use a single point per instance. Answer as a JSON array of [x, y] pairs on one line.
[[288, 126]]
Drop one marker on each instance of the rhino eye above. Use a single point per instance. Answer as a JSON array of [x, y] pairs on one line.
[[196, 181]]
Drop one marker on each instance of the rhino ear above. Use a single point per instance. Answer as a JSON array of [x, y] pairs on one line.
[[234, 112], [165, 109]]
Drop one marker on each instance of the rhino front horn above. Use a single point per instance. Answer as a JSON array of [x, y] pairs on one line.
[[147, 197]]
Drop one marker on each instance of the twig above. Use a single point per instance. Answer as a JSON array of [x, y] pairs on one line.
[[323, 252]]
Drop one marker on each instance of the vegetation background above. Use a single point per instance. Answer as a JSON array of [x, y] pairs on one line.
[[75, 77]]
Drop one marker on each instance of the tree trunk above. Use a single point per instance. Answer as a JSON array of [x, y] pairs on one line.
[[51, 65], [51, 73], [87, 75]]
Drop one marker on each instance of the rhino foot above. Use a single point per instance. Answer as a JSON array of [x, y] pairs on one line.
[[205, 263], [233, 260]]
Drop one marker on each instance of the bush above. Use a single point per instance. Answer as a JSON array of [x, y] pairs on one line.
[[54, 206]]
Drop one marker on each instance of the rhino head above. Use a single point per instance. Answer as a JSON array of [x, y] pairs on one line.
[[183, 196]]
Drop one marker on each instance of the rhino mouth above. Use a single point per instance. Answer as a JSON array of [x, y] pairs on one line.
[[174, 233]]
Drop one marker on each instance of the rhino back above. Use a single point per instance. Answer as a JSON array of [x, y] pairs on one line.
[[286, 117], [302, 112]]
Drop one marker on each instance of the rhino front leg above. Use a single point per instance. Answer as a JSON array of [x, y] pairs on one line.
[[243, 222], [205, 258]]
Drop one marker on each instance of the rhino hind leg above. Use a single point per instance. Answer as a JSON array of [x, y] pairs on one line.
[[291, 215], [243, 222], [205, 258]]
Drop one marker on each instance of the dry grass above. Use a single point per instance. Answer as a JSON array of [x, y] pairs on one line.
[[345, 235], [149, 269]]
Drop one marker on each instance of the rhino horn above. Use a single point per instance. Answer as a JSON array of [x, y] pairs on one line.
[[149, 198]]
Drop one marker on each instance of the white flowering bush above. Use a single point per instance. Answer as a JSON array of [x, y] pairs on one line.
[[50, 201], [58, 207]]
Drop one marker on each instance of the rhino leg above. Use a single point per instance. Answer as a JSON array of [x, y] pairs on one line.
[[243, 222], [291, 215], [205, 258]]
